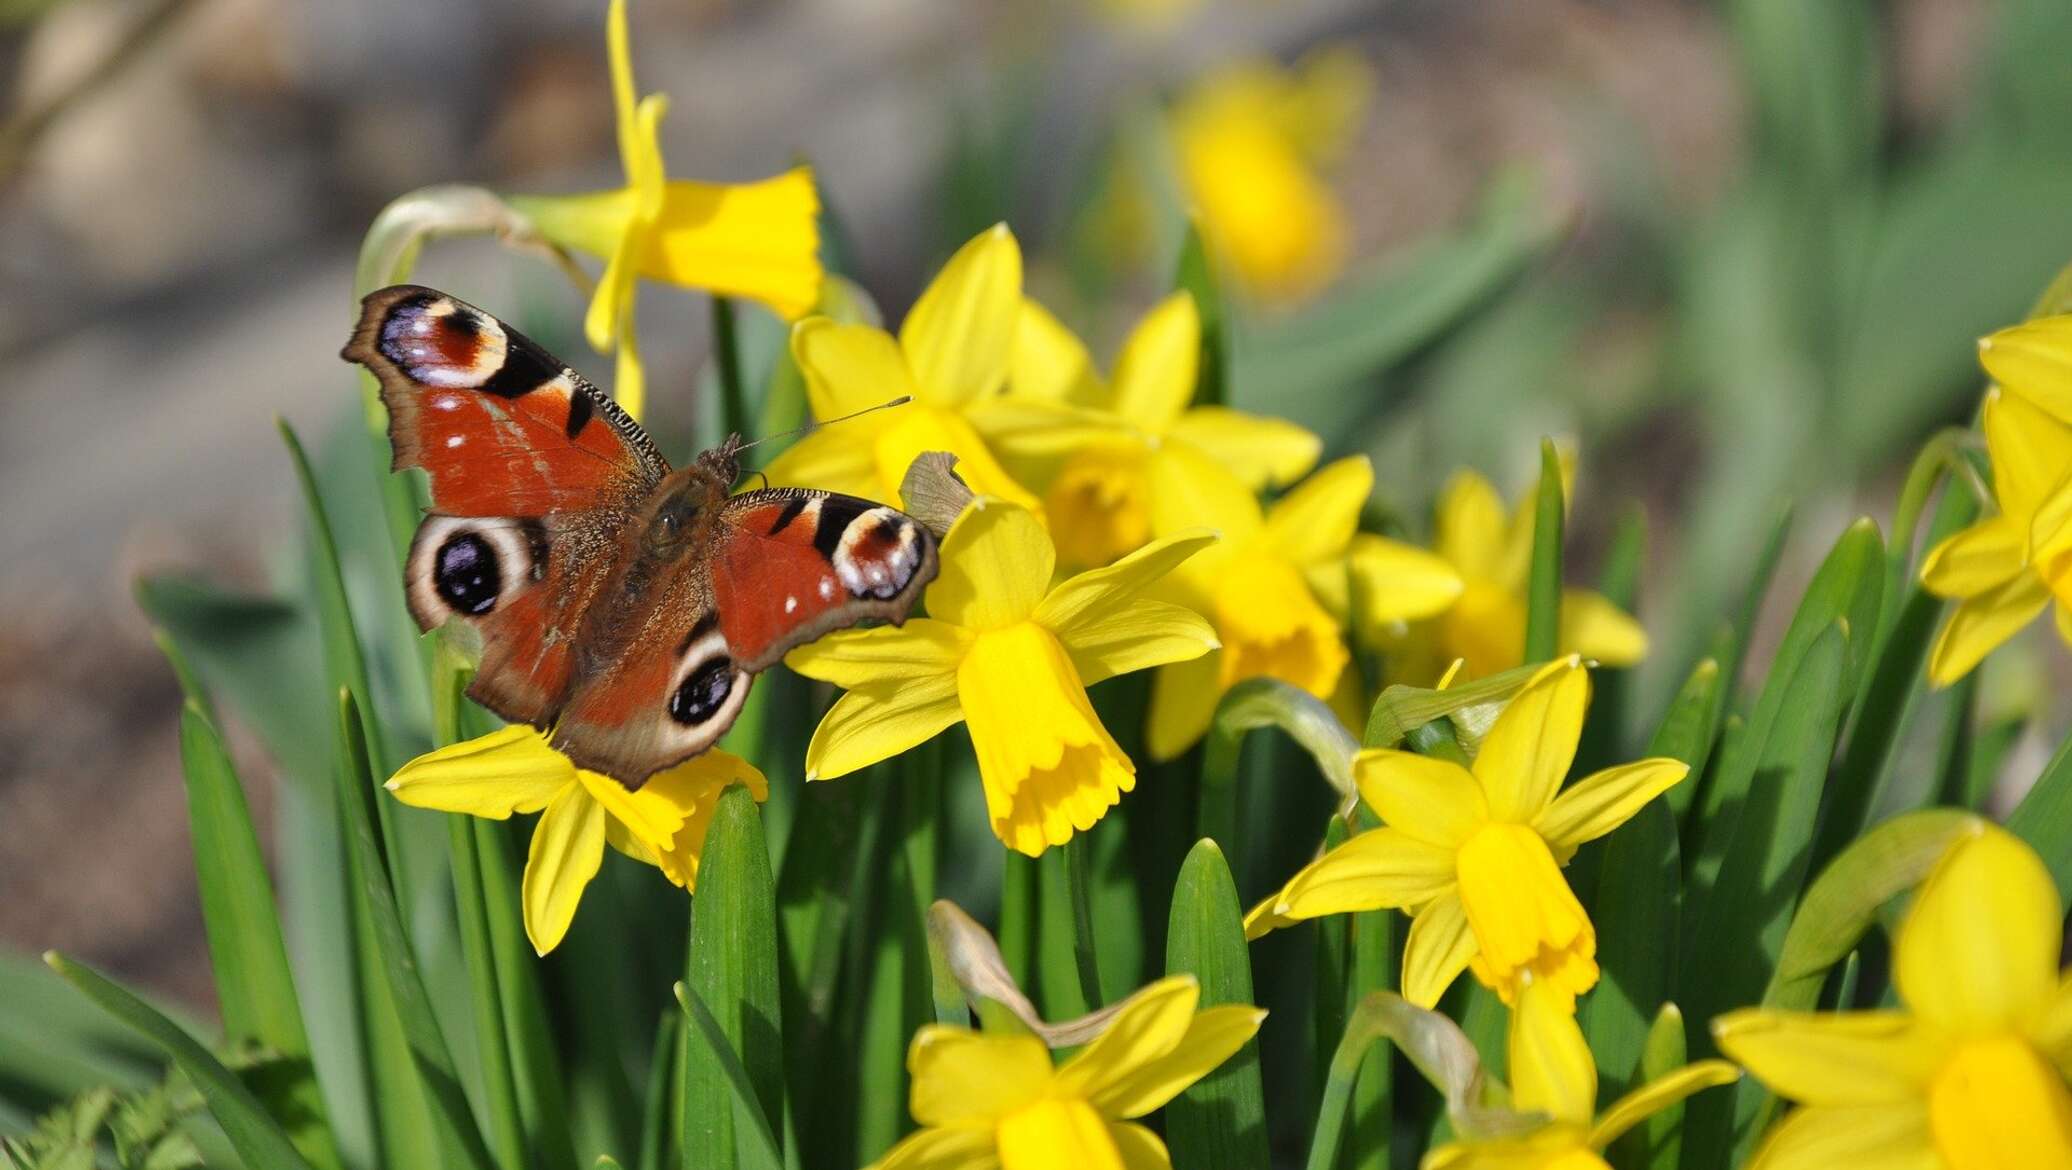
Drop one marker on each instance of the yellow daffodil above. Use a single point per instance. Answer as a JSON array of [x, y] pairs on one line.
[[1485, 626], [2003, 569], [1106, 436], [1969, 1073], [1553, 1074], [1249, 142], [1012, 657], [1276, 586], [1474, 855], [513, 770], [992, 1101], [755, 240], [953, 350]]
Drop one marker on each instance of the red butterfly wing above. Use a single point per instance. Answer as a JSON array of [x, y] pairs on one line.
[[503, 427], [792, 564]]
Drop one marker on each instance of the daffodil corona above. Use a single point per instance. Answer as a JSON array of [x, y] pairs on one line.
[[1011, 656], [1474, 855], [988, 1101], [952, 351], [755, 240], [1970, 1073], [513, 770]]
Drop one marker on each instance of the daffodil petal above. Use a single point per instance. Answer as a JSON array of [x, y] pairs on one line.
[[1657, 1095], [1155, 373], [2034, 360], [619, 53], [996, 567], [1845, 1058], [1058, 1134], [1380, 869], [610, 305], [1050, 363], [942, 1149], [1970, 562], [629, 376], [1082, 599], [1140, 1148], [567, 847], [1189, 490], [1437, 950], [921, 649], [917, 429], [1035, 429], [1527, 753], [877, 722], [1316, 520], [963, 1077], [1183, 701], [848, 368], [1262, 451], [832, 459], [2029, 451], [1979, 947], [1590, 625], [645, 172], [1469, 529], [1149, 1025], [757, 240], [1139, 635], [1397, 582], [1602, 801], [960, 335], [1860, 1137], [666, 818], [1550, 1066], [510, 770], [1979, 625], [1433, 800], [1213, 1036], [2053, 1032]]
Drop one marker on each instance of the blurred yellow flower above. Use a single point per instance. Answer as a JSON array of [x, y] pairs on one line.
[[1553, 1073], [952, 350], [1106, 437], [1492, 552], [1012, 657], [1474, 854], [992, 1100], [1970, 1073], [1249, 141], [2004, 569], [755, 240], [513, 770]]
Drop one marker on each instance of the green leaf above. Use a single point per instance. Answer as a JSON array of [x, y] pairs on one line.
[[1472, 706], [345, 663], [1639, 896], [733, 971], [1265, 702], [252, 1133], [254, 988], [2044, 818], [453, 1122], [1664, 1053], [1078, 884], [1197, 277], [1219, 1122], [1543, 586], [1433, 1043], [714, 1048]]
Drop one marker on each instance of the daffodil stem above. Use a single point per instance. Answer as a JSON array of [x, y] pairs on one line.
[[1018, 915], [506, 1131], [726, 356], [1079, 880], [1543, 600]]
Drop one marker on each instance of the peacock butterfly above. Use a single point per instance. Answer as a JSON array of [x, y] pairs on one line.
[[622, 606]]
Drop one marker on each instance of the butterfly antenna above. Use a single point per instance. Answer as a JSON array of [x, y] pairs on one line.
[[810, 427]]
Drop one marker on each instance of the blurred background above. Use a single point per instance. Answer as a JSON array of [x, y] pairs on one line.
[[1734, 251]]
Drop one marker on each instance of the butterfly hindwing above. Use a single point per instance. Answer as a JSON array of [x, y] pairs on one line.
[[502, 426]]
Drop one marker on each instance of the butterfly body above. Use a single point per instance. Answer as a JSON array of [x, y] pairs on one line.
[[622, 605]]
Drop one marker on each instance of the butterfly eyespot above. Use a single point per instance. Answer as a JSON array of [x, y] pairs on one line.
[[703, 693], [467, 574]]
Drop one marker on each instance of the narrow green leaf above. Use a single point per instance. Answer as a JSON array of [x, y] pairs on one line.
[[1376, 940], [252, 1133], [732, 971], [1639, 897], [1433, 1043], [1219, 1122], [1543, 586], [1197, 277], [1333, 992], [345, 663], [254, 987], [453, 1121], [726, 359], [1079, 884], [1064, 992], [1610, 717], [655, 1153], [1249, 706], [2044, 817], [1403, 709], [757, 1146], [1665, 1051]]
